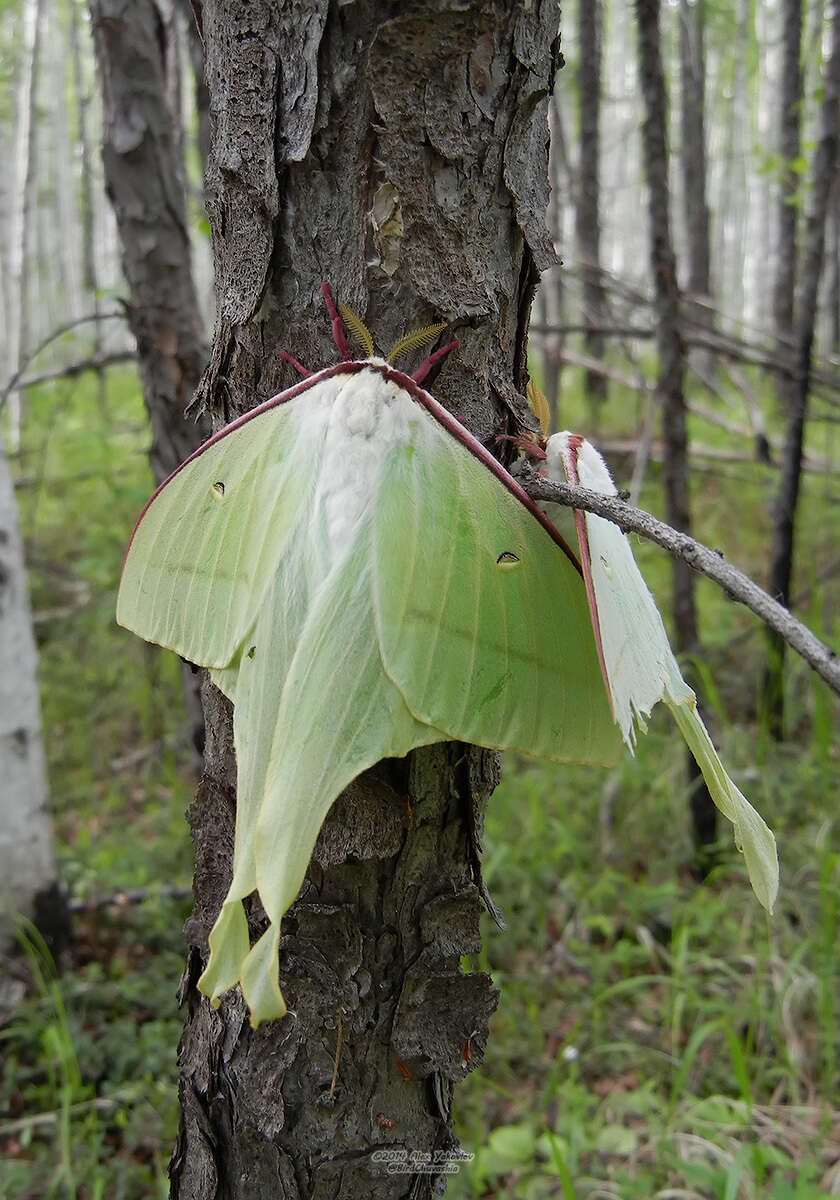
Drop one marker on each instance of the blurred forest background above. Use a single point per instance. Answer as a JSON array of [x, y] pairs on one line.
[[657, 1035]]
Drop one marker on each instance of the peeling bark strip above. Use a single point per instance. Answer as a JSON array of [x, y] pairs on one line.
[[144, 179], [402, 155]]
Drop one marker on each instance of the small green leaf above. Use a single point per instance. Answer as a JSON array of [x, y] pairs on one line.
[[509, 1147], [617, 1139]]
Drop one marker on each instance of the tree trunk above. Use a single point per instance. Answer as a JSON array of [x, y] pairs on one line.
[[771, 693], [669, 341], [91, 281], [789, 124], [145, 183], [761, 272], [588, 221], [443, 111], [90, 275], [736, 192], [671, 353], [144, 178], [693, 151], [64, 250], [20, 216], [27, 856], [834, 263], [784, 510]]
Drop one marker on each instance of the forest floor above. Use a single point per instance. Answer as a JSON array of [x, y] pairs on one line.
[[654, 1037]]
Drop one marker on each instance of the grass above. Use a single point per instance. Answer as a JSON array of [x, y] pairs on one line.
[[654, 1038]]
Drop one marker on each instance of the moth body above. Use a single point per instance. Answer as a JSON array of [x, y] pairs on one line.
[[369, 418]]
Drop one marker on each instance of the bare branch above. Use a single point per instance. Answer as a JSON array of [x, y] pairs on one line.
[[15, 380], [98, 362], [125, 897], [708, 562], [121, 1098]]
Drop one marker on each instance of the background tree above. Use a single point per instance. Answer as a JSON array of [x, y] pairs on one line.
[[142, 153], [87, 209], [20, 218], [670, 379], [823, 177], [588, 222], [693, 150], [790, 104], [144, 176], [27, 855]]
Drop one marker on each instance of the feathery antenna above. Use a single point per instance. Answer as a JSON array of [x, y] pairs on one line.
[[358, 330], [411, 341]]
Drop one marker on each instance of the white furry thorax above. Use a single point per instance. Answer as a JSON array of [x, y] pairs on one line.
[[369, 416], [563, 463]]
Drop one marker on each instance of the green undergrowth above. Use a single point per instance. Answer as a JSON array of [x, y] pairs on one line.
[[654, 1037]]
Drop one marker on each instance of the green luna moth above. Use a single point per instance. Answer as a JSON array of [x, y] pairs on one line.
[[361, 577]]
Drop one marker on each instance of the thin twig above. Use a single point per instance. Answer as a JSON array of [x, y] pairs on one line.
[[41, 1120], [97, 362], [16, 380], [133, 758], [596, 366], [709, 562], [128, 896]]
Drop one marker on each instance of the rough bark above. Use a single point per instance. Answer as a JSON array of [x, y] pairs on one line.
[[435, 115], [27, 857], [693, 148], [587, 212], [671, 371], [823, 174], [789, 124], [145, 183]]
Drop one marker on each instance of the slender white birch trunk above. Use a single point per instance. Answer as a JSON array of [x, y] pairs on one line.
[[59, 54], [22, 173], [27, 858]]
